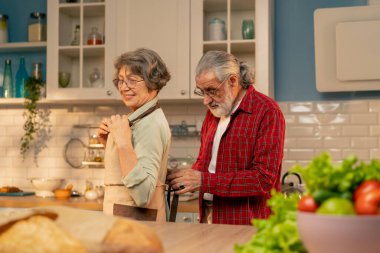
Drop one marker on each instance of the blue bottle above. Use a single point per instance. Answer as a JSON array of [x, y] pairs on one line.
[[8, 81], [21, 77]]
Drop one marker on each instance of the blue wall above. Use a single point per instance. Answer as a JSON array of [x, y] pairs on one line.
[[18, 12], [294, 51]]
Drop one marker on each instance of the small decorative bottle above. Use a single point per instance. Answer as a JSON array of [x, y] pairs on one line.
[[8, 82], [76, 39], [37, 74], [94, 38], [21, 77]]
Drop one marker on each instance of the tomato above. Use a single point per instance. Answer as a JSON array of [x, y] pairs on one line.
[[307, 204], [368, 203], [366, 186]]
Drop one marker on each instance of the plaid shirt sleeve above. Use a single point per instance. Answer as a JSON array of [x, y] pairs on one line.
[[248, 162]]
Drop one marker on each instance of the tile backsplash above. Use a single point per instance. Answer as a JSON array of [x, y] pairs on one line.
[[341, 128]]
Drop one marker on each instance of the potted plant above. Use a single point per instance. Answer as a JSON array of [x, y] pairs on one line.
[[37, 125]]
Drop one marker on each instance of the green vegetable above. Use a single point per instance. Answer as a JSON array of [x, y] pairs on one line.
[[277, 234], [321, 195], [341, 179], [336, 206]]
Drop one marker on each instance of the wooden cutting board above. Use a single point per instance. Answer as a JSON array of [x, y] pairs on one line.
[[15, 194]]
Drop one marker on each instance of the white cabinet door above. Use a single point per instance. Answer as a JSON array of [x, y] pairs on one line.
[[163, 26], [90, 66]]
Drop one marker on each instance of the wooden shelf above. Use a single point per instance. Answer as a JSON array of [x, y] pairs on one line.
[[21, 47]]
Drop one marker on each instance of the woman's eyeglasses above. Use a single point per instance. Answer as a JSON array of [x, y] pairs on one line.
[[212, 92], [130, 83]]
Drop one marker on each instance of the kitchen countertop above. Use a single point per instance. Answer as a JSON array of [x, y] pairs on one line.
[[176, 237], [201, 238], [82, 203]]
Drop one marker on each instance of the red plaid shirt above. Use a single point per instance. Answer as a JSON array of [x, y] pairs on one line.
[[248, 163]]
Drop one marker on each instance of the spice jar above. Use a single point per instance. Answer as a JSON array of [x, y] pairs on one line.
[[37, 27], [94, 38], [3, 28]]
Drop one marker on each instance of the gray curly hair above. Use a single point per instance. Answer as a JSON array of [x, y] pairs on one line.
[[147, 64]]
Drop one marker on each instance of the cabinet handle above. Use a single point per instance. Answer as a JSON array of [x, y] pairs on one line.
[[183, 92], [109, 92]]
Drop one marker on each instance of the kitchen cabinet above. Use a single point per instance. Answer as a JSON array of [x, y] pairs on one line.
[[257, 52], [163, 26], [90, 65]]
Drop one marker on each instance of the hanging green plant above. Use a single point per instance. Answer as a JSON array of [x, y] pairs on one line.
[[37, 125]]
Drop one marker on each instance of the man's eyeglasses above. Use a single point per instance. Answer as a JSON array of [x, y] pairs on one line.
[[211, 92], [129, 82]]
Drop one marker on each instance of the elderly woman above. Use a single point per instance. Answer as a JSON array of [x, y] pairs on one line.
[[137, 144]]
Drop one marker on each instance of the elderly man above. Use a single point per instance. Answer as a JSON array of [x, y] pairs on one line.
[[242, 141]]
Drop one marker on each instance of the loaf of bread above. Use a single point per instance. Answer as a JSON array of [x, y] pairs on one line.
[[10, 189], [38, 234], [128, 236]]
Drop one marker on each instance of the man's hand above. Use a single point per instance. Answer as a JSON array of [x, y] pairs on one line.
[[184, 180]]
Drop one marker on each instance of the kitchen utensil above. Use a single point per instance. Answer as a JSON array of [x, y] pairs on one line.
[[14, 194], [291, 187], [46, 186], [75, 152]]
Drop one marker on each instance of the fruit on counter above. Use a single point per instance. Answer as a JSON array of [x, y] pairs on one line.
[[307, 204], [336, 206]]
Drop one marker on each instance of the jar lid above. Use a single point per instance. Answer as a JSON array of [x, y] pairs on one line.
[[4, 16], [216, 20], [37, 15]]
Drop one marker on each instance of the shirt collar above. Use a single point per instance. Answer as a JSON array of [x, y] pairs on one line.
[[245, 103], [142, 109]]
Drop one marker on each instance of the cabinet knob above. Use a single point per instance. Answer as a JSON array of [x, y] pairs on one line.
[[109, 92], [186, 219], [183, 92]]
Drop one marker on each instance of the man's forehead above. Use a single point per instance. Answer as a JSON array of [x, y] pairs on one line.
[[206, 78]]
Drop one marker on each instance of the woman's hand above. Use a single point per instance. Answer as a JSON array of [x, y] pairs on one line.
[[119, 128], [103, 131]]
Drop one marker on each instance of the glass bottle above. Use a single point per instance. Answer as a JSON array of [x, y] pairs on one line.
[[7, 81], [76, 39], [94, 38], [21, 77], [37, 74]]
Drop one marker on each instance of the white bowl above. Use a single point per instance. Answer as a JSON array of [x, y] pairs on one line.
[[334, 234], [45, 186]]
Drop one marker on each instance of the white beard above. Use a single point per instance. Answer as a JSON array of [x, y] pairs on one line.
[[225, 108]]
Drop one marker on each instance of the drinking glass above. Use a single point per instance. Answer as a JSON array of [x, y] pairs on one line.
[[64, 79]]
